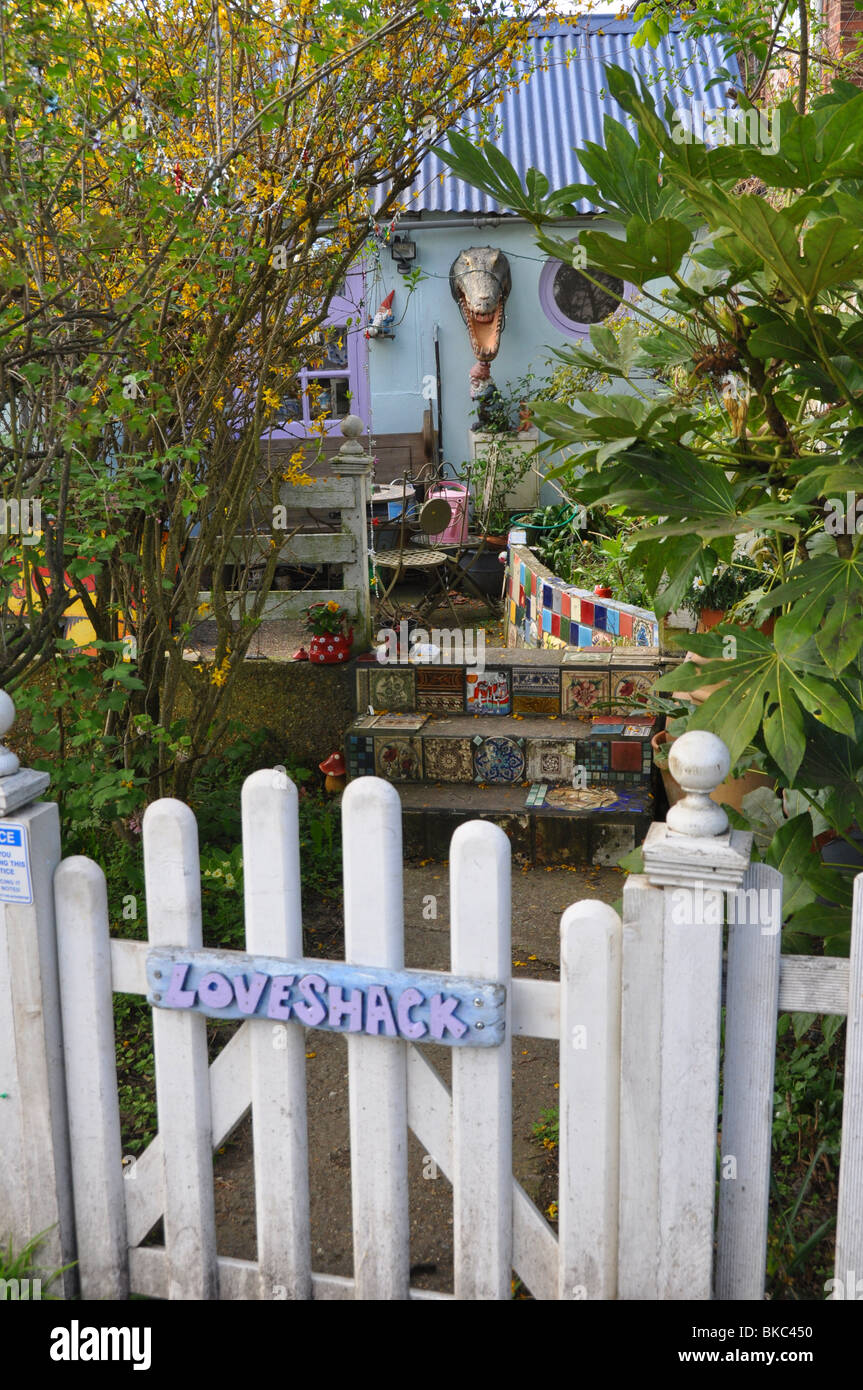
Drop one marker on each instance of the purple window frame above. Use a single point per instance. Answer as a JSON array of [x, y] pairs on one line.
[[342, 308], [549, 306]]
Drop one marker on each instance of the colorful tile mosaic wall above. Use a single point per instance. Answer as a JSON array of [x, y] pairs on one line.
[[615, 753], [543, 611]]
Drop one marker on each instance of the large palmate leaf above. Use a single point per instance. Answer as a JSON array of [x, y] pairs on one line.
[[767, 683], [826, 598]]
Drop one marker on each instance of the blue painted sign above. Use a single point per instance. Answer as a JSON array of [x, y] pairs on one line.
[[15, 884], [417, 1006]]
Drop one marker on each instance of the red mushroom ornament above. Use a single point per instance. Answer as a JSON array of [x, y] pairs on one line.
[[335, 772]]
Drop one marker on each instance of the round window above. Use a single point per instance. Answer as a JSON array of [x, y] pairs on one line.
[[572, 302]]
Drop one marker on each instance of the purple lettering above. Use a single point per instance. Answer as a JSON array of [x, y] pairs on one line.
[[215, 990], [442, 1017], [249, 996], [407, 1027], [314, 1011], [280, 988], [339, 1006], [176, 996], [378, 1011]]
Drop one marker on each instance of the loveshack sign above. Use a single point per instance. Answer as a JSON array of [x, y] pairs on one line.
[[416, 1006]]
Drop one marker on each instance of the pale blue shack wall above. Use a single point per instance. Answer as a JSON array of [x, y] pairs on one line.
[[398, 368]]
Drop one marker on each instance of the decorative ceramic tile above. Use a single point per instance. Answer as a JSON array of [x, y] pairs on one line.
[[407, 723], [499, 760], [630, 685], [565, 604], [536, 704], [487, 693], [555, 625], [548, 761], [439, 678], [642, 632], [581, 691], [586, 613], [625, 620], [392, 688], [574, 608], [625, 757], [512, 635], [585, 636], [556, 599], [612, 621], [546, 595], [600, 617], [582, 799], [399, 759], [546, 620], [600, 639], [535, 680], [361, 755], [448, 759], [439, 702]]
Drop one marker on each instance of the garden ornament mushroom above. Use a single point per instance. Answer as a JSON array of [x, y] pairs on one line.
[[335, 770]]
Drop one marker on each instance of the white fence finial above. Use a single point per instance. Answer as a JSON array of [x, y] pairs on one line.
[[19, 786], [699, 763], [9, 763]]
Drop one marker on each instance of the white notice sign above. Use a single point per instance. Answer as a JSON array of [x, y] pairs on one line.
[[15, 885]]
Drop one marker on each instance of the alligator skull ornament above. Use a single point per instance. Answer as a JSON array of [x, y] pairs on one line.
[[480, 281]]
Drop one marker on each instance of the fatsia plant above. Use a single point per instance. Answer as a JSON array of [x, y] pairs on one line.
[[749, 270]]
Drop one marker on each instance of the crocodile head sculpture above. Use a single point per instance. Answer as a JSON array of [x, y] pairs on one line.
[[480, 281]]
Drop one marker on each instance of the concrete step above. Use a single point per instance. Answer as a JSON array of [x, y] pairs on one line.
[[584, 831], [505, 750]]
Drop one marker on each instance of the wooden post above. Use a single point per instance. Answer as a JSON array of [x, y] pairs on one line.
[[35, 1168], [482, 1077], [670, 1039], [354, 463], [377, 1075]]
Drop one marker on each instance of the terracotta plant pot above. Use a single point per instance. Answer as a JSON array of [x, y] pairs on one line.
[[708, 618], [329, 648], [602, 591]]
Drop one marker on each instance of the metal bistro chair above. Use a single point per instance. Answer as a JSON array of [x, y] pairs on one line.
[[414, 552]]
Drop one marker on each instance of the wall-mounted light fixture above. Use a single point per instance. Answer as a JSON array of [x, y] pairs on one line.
[[404, 252]]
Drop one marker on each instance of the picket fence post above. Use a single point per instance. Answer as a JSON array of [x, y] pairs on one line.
[[482, 1077], [84, 952], [35, 1166], [670, 1033], [274, 927], [377, 1067], [172, 875]]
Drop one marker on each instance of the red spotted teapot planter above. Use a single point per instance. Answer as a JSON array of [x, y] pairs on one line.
[[331, 647]]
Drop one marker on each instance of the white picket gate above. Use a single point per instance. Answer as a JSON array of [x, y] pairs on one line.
[[636, 1014]]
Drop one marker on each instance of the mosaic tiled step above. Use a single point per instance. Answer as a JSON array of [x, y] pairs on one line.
[[491, 751], [557, 832], [529, 684]]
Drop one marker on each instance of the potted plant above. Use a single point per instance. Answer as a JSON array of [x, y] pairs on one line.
[[731, 587], [333, 636]]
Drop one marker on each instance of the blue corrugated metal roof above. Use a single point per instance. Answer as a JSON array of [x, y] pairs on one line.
[[563, 103]]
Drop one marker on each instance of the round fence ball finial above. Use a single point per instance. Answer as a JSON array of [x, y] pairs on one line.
[[9, 763], [699, 762], [352, 427]]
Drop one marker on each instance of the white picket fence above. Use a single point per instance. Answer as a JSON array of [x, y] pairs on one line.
[[636, 1014]]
